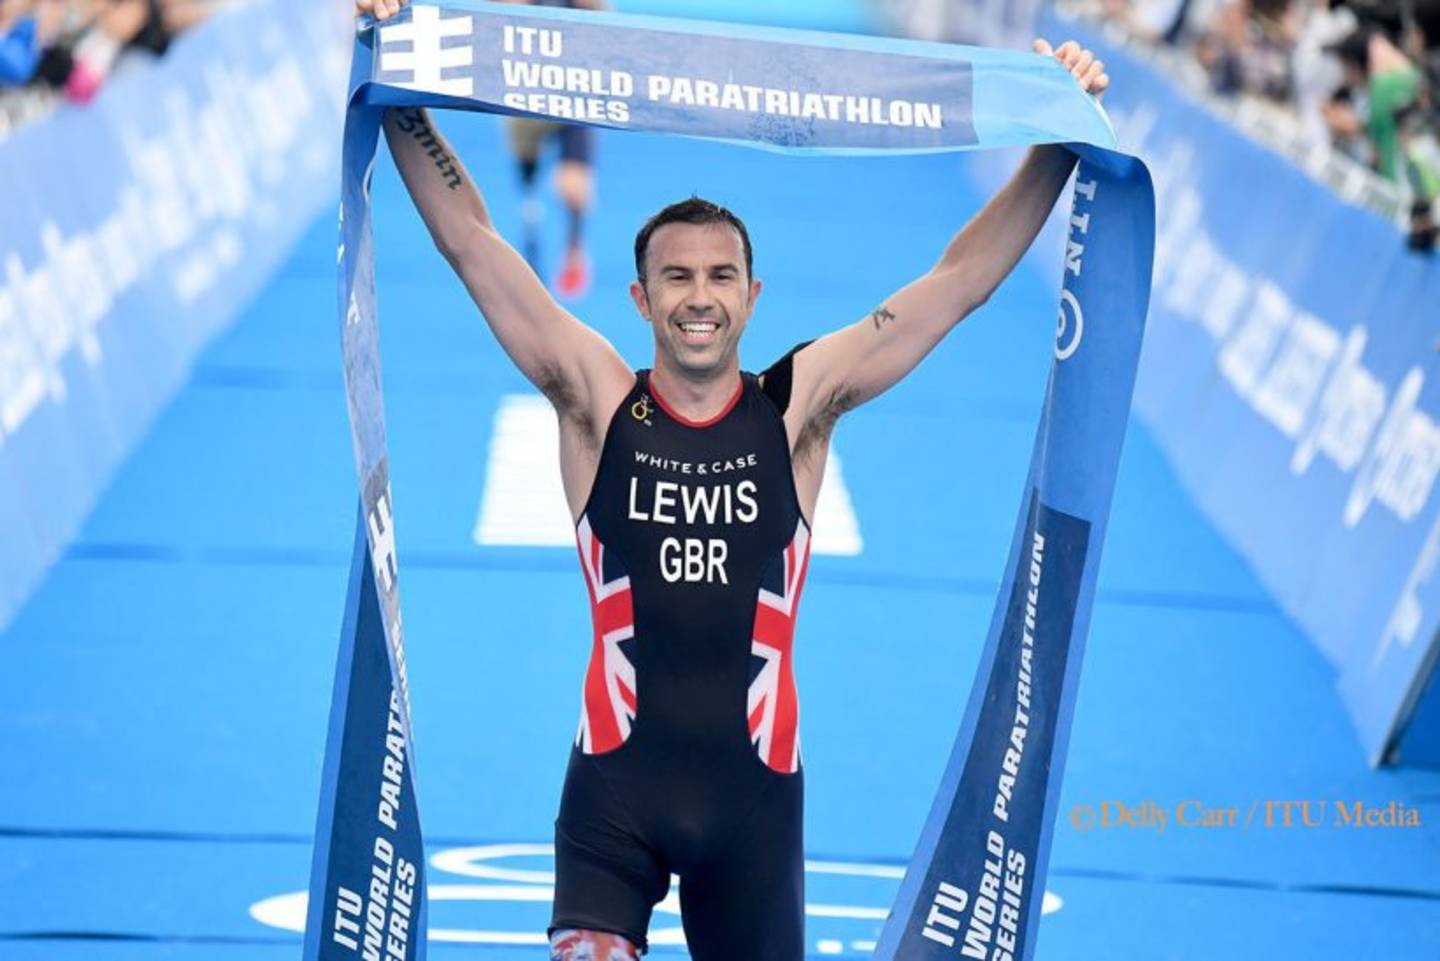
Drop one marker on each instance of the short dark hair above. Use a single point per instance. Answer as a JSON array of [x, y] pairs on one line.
[[697, 211]]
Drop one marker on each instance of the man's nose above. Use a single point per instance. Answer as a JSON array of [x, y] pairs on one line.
[[701, 299]]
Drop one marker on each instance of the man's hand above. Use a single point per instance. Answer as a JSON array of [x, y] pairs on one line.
[[1089, 72], [381, 10]]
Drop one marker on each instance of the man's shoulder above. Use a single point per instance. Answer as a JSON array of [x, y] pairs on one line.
[[776, 380]]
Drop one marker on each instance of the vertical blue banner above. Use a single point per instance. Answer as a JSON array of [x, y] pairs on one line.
[[368, 876], [977, 880], [809, 93], [367, 879]]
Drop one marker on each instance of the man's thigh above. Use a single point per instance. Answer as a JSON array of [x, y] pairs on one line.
[[749, 902]]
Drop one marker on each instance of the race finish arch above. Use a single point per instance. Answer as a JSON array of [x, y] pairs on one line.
[[977, 876]]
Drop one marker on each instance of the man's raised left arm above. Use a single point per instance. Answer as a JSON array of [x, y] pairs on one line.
[[856, 363]]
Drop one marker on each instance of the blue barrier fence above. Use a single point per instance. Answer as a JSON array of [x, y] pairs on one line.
[[133, 231], [1289, 373]]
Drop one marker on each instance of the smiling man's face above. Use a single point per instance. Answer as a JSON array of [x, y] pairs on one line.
[[697, 296]]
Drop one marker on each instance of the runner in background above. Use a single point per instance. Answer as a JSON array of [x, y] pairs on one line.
[[574, 180]]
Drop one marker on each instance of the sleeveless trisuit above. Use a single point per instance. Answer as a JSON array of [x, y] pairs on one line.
[[687, 760]]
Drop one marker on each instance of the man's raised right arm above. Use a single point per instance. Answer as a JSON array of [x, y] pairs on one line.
[[569, 362]]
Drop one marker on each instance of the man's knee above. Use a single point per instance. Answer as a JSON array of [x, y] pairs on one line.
[[573, 945]]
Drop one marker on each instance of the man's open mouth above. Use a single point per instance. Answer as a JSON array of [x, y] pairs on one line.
[[699, 331]]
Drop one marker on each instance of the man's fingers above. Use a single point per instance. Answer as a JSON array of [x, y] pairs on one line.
[[1067, 53], [1088, 72], [381, 9]]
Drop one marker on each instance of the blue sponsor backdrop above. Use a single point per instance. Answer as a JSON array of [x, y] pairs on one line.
[[133, 230], [1289, 373]]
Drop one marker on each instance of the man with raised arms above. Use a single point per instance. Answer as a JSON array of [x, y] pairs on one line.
[[691, 485]]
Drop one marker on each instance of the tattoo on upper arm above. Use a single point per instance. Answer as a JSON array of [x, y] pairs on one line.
[[412, 121], [882, 316]]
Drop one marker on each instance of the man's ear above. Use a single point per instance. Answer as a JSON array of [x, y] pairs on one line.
[[755, 286], [642, 299]]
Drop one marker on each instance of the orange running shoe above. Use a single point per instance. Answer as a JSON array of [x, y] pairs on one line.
[[574, 280]]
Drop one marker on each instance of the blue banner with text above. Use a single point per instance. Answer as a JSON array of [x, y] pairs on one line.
[[1290, 375], [133, 231]]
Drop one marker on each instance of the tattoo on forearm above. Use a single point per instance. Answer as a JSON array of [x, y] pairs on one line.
[[413, 122], [881, 317]]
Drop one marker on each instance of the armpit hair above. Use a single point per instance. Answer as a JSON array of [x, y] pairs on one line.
[[815, 435], [563, 397]]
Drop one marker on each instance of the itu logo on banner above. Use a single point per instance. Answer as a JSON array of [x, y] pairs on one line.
[[1071, 326], [421, 62]]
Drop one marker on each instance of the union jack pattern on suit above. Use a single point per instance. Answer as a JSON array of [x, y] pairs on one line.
[[608, 701], [773, 705]]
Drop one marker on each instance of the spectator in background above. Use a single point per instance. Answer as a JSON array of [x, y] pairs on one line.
[[1399, 121], [1386, 15], [54, 49], [1374, 65], [27, 27], [1424, 44], [167, 19], [1249, 47], [75, 44], [1343, 114], [1364, 75], [574, 179], [1318, 78], [116, 24], [1426, 16]]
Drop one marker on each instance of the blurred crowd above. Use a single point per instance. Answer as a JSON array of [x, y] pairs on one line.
[[57, 50], [1362, 76]]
